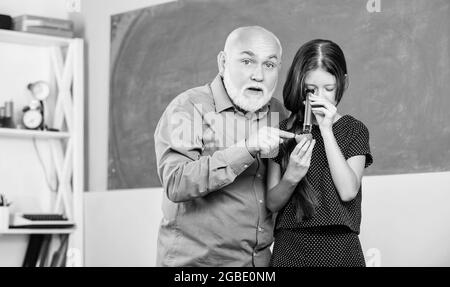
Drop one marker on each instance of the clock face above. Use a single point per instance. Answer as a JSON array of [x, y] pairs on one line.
[[32, 119]]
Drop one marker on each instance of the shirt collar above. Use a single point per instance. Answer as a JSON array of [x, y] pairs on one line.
[[221, 99]]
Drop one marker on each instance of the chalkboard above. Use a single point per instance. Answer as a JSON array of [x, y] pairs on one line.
[[398, 62]]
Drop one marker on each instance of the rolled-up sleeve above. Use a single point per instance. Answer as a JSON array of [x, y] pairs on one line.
[[182, 169]]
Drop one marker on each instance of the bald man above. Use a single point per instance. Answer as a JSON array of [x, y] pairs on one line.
[[212, 145]]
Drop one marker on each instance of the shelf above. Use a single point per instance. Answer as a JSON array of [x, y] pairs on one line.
[[32, 39], [38, 231], [23, 133]]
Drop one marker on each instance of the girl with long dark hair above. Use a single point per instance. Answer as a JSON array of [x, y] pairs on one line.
[[314, 185]]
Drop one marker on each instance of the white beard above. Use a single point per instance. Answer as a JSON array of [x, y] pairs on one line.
[[249, 104]]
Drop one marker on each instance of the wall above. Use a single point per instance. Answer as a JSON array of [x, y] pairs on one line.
[[46, 8], [122, 228], [405, 223], [406, 219]]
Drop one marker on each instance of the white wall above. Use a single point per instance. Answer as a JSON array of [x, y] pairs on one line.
[[26, 186], [406, 219], [406, 222], [45, 8], [121, 227]]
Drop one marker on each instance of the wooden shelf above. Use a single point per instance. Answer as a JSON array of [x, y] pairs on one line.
[[23, 133], [32, 39], [37, 231]]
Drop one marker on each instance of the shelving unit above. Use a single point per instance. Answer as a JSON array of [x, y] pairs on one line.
[[23, 133], [39, 231], [65, 148]]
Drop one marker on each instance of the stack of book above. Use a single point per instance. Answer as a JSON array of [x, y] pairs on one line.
[[44, 250], [44, 25]]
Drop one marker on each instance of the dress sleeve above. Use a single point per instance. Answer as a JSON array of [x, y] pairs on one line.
[[278, 158], [360, 144]]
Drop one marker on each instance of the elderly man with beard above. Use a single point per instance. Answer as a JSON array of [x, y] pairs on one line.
[[212, 145]]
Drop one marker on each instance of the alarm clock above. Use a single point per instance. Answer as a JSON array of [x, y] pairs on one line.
[[32, 117]]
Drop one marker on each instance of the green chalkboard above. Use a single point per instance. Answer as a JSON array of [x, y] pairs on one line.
[[398, 61]]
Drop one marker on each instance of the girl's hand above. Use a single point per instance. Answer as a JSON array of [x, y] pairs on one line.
[[324, 111], [299, 160]]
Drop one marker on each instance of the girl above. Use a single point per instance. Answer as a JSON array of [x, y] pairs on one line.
[[315, 185]]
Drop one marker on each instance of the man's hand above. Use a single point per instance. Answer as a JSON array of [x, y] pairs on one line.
[[266, 141]]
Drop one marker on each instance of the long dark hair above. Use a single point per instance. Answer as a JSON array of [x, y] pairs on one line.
[[314, 54]]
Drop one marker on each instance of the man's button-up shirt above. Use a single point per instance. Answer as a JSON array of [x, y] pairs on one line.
[[213, 211]]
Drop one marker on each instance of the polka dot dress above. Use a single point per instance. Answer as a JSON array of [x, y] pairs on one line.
[[330, 237], [321, 246]]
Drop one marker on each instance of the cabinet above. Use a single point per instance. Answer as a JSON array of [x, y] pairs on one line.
[[42, 171]]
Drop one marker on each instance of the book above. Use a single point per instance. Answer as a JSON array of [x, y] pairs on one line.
[[33, 249], [59, 257], [44, 220], [43, 253]]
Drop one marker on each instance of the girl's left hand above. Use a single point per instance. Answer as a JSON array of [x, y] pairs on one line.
[[324, 111]]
